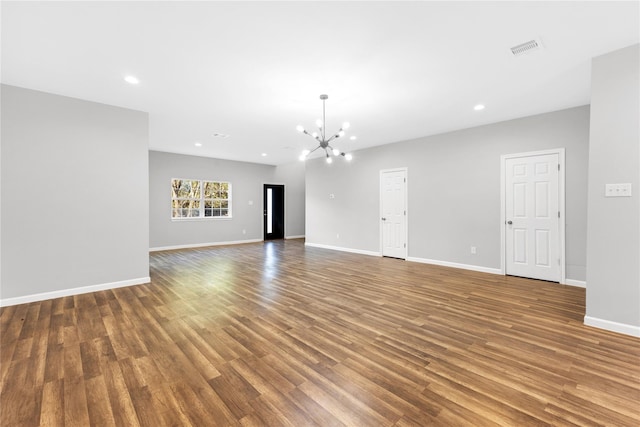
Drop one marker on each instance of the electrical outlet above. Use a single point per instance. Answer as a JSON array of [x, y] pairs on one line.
[[244, 231], [337, 235], [473, 250], [617, 190]]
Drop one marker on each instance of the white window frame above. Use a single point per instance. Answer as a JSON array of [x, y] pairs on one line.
[[202, 199]]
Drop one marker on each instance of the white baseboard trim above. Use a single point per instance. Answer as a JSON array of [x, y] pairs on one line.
[[72, 291], [456, 265], [339, 248], [621, 328], [203, 245], [294, 237], [578, 283]]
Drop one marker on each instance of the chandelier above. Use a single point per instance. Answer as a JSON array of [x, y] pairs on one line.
[[321, 137]]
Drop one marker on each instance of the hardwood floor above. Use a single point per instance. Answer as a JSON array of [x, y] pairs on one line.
[[277, 334]]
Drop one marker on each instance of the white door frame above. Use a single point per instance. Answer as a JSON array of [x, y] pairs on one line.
[[406, 208], [561, 205]]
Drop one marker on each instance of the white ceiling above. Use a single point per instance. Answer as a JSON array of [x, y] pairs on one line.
[[255, 70]]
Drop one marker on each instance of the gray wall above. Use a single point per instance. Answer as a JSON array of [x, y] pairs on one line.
[[74, 193], [247, 181], [613, 275], [453, 190]]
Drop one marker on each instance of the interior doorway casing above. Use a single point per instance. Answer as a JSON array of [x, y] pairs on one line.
[[561, 206]]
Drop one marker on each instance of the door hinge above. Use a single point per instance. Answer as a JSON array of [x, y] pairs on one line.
[[558, 166], [405, 245], [405, 213], [405, 180], [558, 214]]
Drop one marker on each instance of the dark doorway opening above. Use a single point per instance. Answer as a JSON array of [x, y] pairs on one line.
[[273, 203]]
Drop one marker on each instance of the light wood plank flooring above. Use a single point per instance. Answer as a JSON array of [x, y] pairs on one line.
[[277, 334]]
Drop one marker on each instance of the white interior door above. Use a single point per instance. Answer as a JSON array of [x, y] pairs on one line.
[[532, 217], [393, 213]]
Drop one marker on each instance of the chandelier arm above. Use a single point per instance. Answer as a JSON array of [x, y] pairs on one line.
[[342, 153], [313, 150], [317, 138]]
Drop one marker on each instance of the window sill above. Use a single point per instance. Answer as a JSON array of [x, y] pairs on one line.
[[208, 218]]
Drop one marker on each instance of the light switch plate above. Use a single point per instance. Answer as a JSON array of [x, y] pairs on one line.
[[617, 190]]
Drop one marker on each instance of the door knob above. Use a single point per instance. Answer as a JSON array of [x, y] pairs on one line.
[[384, 219], [509, 222]]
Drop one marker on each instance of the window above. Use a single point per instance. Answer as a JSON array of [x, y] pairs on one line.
[[200, 199]]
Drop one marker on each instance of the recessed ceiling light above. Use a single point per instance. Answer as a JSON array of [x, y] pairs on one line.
[[198, 144], [131, 80], [353, 137], [264, 154], [479, 107]]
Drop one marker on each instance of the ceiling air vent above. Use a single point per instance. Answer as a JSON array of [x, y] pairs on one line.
[[527, 47]]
